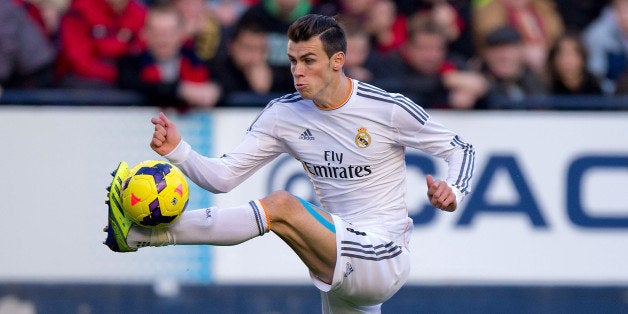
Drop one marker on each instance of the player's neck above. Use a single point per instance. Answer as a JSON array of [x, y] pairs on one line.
[[337, 94]]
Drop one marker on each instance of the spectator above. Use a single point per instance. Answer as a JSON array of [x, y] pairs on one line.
[[362, 62], [568, 70], [350, 11], [432, 78], [166, 72], [451, 16], [245, 69], [228, 12], [203, 31], [387, 28], [537, 21], [380, 18], [275, 16], [93, 35], [26, 55], [605, 40], [359, 55], [511, 79]]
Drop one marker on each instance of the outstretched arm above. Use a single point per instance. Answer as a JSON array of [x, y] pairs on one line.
[[218, 175], [166, 136]]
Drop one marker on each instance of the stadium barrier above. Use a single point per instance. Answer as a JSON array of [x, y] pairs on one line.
[[30, 298], [115, 97], [543, 232]]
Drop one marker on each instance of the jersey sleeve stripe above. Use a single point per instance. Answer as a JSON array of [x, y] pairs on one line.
[[413, 110], [370, 91], [413, 113], [412, 105], [465, 171], [468, 163]]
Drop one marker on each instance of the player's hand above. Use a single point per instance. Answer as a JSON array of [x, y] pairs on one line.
[[166, 136], [440, 194]]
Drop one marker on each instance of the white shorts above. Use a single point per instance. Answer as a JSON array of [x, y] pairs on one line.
[[369, 270]]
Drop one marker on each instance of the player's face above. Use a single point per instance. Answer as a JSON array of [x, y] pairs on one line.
[[312, 70]]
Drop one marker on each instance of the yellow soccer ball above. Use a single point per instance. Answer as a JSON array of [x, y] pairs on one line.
[[154, 194]]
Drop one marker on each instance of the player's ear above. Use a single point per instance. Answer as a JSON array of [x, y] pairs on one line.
[[338, 60]]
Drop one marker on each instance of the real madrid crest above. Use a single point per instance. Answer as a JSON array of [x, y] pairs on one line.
[[363, 138]]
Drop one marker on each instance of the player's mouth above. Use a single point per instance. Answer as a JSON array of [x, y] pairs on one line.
[[300, 87]]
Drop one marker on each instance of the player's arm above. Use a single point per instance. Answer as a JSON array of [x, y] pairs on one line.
[[222, 174], [422, 132], [460, 157]]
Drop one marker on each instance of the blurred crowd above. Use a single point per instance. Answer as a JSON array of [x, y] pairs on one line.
[[455, 54]]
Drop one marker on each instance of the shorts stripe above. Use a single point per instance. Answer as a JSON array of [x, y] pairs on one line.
[[372, 258], [368, 251]]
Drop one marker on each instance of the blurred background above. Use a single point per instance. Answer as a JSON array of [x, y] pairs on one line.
[[537, 86]]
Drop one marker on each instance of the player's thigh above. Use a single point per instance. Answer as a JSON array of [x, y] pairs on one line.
[[307, 229]]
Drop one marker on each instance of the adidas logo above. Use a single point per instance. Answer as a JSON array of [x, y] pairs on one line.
[[306, 135], [348, 270]]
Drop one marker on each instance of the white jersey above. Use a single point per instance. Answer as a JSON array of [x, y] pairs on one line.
[[353, 154]]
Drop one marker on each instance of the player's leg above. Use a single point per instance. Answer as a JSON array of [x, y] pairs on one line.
[[312, 233], [215, 226], [307, 229]]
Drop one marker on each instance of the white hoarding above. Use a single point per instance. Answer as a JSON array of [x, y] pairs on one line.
[[55, 167], [550, 204]]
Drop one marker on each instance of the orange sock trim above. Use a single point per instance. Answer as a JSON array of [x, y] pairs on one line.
[[265, 214]]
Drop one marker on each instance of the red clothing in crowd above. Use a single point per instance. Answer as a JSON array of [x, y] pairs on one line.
[[93, 36], [142, 73], [191, 69], [400, 35]]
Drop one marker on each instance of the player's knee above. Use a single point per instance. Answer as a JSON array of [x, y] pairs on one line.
[[280, 204], [280, 197]]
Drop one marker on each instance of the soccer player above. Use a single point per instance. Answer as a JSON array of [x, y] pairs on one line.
[[350, 138]]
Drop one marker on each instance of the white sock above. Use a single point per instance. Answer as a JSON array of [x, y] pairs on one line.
[[215, 226]]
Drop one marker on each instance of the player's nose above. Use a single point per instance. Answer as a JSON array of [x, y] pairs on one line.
[[297, 69]]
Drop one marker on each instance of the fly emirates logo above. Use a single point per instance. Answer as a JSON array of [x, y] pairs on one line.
[[335, 169]]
